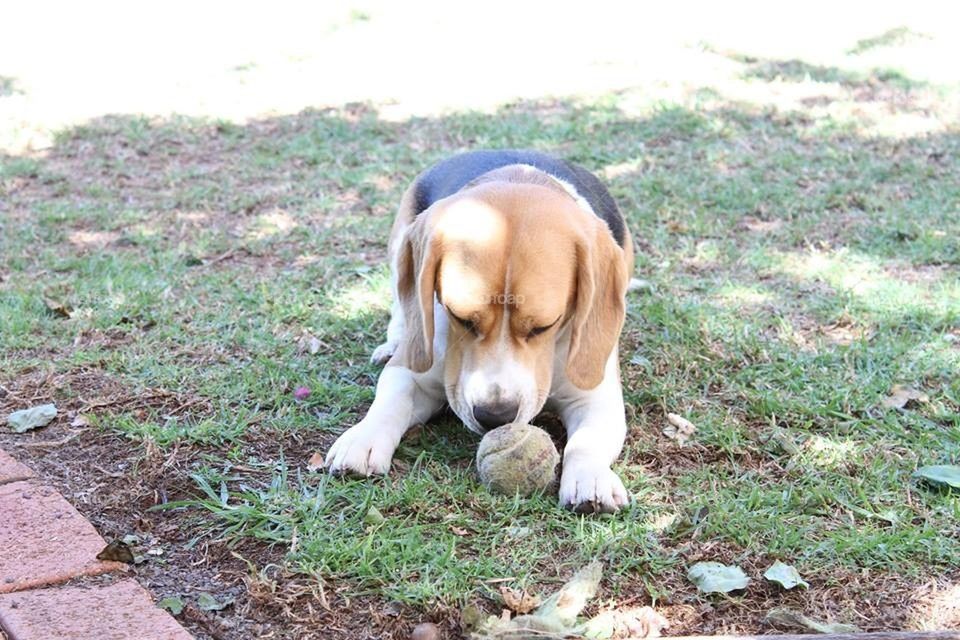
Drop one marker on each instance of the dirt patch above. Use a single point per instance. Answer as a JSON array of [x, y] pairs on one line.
[[83, 391], [116, 486], [921, 273], [873, 601]]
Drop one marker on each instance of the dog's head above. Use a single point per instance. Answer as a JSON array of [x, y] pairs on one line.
[[525, 276]]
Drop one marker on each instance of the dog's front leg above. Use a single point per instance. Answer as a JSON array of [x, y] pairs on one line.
[[596, 427], [403, 399]]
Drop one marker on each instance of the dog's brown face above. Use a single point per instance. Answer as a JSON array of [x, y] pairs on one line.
[[524, 276]]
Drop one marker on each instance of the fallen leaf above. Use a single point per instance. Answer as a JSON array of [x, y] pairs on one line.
[[529, 626], [940, 475], [679, 429], [309, 343], [32, 418], [518, 600], [316, 462], [567, 603], [117, 551], [901, 397], [373, 516], [784, 575], [459, 531], [207, 602], [619, 624], [789, 618], [714, 577], [58, 308], [844, 332], [752, 223], [556, 617], [80, 421], [173, 604]]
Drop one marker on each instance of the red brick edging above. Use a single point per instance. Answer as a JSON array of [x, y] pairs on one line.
[[44, 542]]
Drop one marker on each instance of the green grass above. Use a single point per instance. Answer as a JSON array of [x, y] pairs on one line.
[[800, 265], [440, 538]]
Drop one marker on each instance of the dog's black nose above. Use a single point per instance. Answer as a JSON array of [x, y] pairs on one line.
[[494, 415]]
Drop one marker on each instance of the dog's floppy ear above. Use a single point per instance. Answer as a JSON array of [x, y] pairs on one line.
[[599, 306], [417, 265]]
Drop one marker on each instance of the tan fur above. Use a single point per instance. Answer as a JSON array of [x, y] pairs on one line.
[[603, 274], [416, 282], [513, 245]]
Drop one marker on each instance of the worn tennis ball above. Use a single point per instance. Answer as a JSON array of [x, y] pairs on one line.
[[517, 458]]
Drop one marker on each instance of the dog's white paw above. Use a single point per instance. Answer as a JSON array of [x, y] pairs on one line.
[[591, 487], [384, 352], [362, 451]]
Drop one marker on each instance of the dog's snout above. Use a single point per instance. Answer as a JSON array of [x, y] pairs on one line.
[[497, 414]]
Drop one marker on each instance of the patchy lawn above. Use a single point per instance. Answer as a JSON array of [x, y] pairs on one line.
[[174, 280]]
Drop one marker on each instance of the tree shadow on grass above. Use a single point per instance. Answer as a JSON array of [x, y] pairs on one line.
[[896, 36], [245, 260], [798, 71]]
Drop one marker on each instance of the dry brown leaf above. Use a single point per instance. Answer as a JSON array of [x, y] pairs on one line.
[[845, 332], [752, 223], [901, 396], [788, 618], [80, 421], [639, 622], [316, 462], [679, 429], [57, 308], [117, 551], [309, 343], [459, 531], [519, 601]]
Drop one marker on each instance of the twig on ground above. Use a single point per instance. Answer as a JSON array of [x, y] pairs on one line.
[[48, 444]]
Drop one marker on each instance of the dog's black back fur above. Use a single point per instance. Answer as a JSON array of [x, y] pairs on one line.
[[449, 176]]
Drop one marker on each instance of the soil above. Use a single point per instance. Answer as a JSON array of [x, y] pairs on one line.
[[115, 485]]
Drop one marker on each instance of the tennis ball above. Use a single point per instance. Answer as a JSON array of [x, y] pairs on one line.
[[517, 457]]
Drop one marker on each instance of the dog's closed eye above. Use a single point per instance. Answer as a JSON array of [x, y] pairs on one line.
[[469, 325], [536, 331]]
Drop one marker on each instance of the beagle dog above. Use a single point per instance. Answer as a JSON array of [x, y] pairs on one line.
[[510, 272]]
